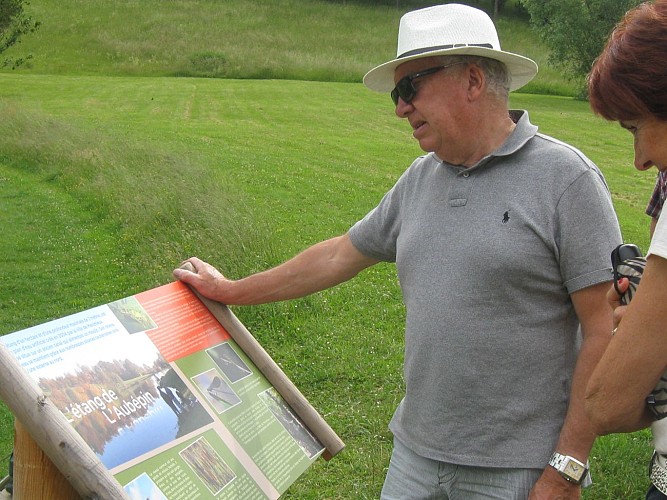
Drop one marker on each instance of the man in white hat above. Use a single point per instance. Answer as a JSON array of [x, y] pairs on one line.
[[501, 237]]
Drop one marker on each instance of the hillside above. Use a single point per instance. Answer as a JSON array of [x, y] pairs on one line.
[[315, 40]]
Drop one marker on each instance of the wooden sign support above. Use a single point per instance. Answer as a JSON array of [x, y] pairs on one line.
[[31, 462]]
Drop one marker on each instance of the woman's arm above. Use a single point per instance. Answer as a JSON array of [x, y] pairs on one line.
[[634, 360]]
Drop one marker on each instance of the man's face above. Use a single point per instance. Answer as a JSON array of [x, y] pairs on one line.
[[435, 112]]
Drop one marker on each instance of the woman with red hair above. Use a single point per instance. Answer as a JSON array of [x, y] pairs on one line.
[[628, 84]]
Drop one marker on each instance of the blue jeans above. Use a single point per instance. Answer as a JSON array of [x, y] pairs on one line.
[[412, 477], [654, 493]]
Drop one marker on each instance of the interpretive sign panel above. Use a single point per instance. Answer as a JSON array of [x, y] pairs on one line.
[[167, 399]]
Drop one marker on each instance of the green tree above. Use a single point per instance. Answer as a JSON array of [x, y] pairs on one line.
[[14, 23], [575, 31], [497, 7]]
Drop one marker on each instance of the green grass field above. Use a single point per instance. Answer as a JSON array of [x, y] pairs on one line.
[[323, 40], [111, 174]]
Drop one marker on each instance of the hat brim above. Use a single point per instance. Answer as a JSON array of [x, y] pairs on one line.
[[522, 69]]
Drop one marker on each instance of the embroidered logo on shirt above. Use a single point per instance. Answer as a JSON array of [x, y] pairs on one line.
[[506, 217]]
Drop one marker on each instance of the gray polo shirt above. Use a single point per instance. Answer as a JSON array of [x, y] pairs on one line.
[[487, 257]]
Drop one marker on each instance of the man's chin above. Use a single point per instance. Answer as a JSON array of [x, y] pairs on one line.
[[426, 145]]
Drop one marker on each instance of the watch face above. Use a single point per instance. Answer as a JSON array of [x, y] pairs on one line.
[[574, 470]]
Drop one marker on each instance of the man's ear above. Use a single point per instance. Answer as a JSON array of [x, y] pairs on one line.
[[476, 82]]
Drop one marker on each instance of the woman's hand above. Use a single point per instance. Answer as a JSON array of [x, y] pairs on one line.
[[614, 300]]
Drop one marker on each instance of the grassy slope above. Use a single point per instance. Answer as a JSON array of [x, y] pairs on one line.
[[284, 39]]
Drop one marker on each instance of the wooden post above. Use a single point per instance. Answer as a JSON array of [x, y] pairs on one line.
[[53, 434], [273, 373], [35, 476]]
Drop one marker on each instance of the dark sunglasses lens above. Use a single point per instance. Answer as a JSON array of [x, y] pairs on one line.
[[394, 96], [404, 90]]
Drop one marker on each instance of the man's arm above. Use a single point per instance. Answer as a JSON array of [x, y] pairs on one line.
[[577, 434], [321, 266]]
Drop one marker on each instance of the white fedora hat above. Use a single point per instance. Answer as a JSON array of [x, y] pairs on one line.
[[450, 29]]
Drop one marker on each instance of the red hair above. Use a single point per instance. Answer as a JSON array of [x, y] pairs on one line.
[[628, 80]]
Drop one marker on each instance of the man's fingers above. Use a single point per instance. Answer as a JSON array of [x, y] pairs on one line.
[[613, 296], [187, 268], [618, 314]]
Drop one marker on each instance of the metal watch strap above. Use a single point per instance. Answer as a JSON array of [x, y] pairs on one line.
[[559, 463]]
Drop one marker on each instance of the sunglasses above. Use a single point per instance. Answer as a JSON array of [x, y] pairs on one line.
[[406, 90]]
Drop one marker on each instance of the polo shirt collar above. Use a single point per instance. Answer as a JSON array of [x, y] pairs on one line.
[[522, 133]]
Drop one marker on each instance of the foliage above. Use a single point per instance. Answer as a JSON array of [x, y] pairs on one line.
[[14, 23], [575, 31]]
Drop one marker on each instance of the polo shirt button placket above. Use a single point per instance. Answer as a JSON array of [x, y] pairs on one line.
[[458, 196]]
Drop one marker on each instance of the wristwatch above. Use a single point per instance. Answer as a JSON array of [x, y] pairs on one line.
[[568, 467]]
